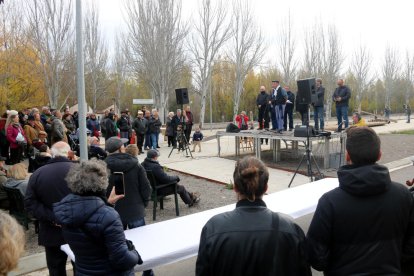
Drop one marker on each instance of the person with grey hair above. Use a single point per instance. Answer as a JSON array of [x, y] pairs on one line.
[[92, 228], [58, 128], [47, 185]]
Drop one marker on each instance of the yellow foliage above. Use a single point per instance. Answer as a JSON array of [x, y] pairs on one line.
[[21, 85]]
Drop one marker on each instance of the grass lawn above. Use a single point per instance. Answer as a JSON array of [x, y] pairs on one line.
[[410, 131]]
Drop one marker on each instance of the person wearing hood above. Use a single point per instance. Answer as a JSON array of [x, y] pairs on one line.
[[261, 102], [131, 208], [17, 178], [91, 226], [365, 226]]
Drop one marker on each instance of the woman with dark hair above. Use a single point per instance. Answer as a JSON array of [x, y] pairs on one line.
[[251, 240], [92, 228]]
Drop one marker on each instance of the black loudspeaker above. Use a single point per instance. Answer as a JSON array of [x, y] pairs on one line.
[[306, 91], [181, 95], [300, 131]]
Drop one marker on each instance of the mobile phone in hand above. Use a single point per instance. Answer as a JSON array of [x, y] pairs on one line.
[[119, 183]]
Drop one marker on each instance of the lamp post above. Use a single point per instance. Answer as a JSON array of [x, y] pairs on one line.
[[80, 83]]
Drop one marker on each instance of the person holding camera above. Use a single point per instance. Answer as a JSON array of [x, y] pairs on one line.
[[91, 226]]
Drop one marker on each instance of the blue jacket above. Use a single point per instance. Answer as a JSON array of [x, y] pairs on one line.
[[197, 136], [95, 234]]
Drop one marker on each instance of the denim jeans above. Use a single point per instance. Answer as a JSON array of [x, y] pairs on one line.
[[147, 140], [154, 140], [342, 116], [318, 115]]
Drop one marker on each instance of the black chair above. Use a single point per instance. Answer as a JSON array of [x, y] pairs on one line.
[[16, 208], [157, 196]]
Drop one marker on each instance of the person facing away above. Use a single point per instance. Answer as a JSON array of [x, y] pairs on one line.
[[341, 98], [151, 164], [251, 240], [47, 185], [11, 243], [17, 178], [366, 225], [91, 226], [290, 103], [131, 208]]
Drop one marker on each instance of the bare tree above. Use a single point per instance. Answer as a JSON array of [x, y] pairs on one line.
[[409, 75], [314, 52], [390, 72], [247, 48], [360, 67], [286, 49], [96, 54], [332, 64], [210, 33], [155, 39], [50, 23]]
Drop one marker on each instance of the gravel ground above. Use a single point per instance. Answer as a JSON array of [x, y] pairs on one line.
[[212, 195]]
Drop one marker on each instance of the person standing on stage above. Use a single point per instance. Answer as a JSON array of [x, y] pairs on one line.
[[341, 98], [289, 109], [279, 99], [261, 102], [318, 105]]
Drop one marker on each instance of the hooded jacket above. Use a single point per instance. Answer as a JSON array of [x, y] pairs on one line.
[[20, 184], [363, 227], [95, 234], [137, 186]]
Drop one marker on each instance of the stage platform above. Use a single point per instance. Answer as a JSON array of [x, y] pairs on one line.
[[330, 149]]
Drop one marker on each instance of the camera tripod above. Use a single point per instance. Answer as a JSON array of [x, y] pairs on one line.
[[308, 156], [182, 143]]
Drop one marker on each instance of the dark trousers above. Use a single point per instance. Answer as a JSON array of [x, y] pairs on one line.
[[288, 115], [184, 194], [304, 117], [16, 155], [56, 261], [188, 132], [140, 142], [170, 140], [273, 117]]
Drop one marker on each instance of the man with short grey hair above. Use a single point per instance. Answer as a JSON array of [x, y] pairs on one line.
[[47, 185]]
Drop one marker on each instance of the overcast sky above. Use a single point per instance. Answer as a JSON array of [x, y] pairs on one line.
[[375, 24]]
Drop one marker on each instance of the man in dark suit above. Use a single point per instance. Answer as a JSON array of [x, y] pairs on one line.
[[289, 109]]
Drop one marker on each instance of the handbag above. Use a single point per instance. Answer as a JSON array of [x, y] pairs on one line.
[[20, 139]]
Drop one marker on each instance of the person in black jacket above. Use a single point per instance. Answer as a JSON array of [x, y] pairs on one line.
[[151, 164], [91, 226], [47, 185], [366, 225], [341, 98], [318, 105], [137, 187], [262, 104], [124, 126], [140, 126], [289, 110], [251, 240], [110, 127], [154, 126]]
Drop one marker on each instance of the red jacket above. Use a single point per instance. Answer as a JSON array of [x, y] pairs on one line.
[[11, 133], [239, 121]]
